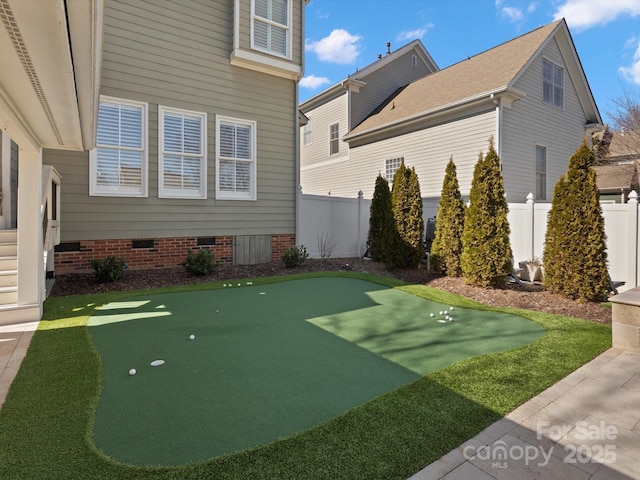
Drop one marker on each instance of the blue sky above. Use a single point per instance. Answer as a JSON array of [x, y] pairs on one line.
[[344, 35]]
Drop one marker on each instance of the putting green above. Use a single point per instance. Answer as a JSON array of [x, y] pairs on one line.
[[267, 361]]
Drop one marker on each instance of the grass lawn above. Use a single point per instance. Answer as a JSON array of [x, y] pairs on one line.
[[47, 422]]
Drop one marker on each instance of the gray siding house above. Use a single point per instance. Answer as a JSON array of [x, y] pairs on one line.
[[530, 94], [140, 129]]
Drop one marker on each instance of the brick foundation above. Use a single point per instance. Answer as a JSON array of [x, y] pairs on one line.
[[279, 244], [165, 253]]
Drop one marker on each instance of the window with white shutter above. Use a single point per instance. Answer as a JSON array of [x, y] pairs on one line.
[[271, 26], [182, 161], [118, 163], [235, 159]]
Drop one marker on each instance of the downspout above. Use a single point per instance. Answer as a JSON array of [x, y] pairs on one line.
[[296, 155], [498, 140]]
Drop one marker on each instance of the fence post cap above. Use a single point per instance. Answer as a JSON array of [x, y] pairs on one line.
[[633, 195], [360, 194]]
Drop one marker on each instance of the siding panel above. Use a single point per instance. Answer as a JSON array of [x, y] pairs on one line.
[[177, 55]]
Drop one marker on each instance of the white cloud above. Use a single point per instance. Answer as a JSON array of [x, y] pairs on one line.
[[413, 34], [509, 12], [512, 13], [339, 47], [632, 72], [583, 14], [313, 82], [532, 7]]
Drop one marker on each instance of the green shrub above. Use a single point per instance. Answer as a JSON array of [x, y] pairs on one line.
[[108, 270], [486, 249], [575, 255], [447, 246], [295, 256], [380, 219], [200, 263]]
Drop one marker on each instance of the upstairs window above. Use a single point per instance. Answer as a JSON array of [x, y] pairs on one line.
[[541, 172], [306, 133], [552, 84], [334, 139], [182, 163], [235, 159], [118, 163], [271, 26], [390, 167]]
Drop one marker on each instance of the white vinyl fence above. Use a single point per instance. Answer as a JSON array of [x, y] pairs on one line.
[[344, 224]]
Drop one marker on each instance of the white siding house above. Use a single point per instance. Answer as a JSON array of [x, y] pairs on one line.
[[346, 105], [530, 94]]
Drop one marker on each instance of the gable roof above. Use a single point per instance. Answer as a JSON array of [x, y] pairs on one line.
[[492, 72], [616, 178], [624, 146], [358, 78]]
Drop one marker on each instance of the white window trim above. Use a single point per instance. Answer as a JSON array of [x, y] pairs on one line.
[[168, 193], [554, 65], [336, 140], [96, 191], [546, 171], [288, 35], [252, 195], [384, 167], [307, 131]]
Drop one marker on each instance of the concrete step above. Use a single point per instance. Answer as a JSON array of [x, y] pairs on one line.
[[9, 262], [8, 295], [8, 278]]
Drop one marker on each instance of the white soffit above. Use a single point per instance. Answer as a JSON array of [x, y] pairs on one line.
[[38, 100]]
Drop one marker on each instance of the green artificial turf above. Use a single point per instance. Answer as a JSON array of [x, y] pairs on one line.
[[46, 423], [257, 371]]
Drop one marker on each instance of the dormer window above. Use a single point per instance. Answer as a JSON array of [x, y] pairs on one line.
[[271, 26]]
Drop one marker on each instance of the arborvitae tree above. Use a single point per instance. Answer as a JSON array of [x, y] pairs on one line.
[[447, 246], [380, 219], [556, 244], [405, 246], [575, 255], [486, 251]]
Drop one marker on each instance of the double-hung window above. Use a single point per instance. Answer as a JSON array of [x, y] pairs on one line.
[[541, 172], [118, 163], [271, 26], [307, 133], [235, 159], [182, 161], [552, 84], [334, 139]]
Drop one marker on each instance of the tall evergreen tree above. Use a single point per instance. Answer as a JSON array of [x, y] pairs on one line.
[[447, 246], [486, 250], [575, 256], [406, 245], [380, 219], [556, 243]]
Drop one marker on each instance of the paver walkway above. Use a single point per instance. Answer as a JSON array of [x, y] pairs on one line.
[[585, 427], [14, 342]]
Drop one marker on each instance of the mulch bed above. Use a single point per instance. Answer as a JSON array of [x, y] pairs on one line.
[[527, 296]]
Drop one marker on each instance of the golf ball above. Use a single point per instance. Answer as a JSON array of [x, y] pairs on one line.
[[238, 284], [132, 371], [192, 337], [431, 314], [450, 308]]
